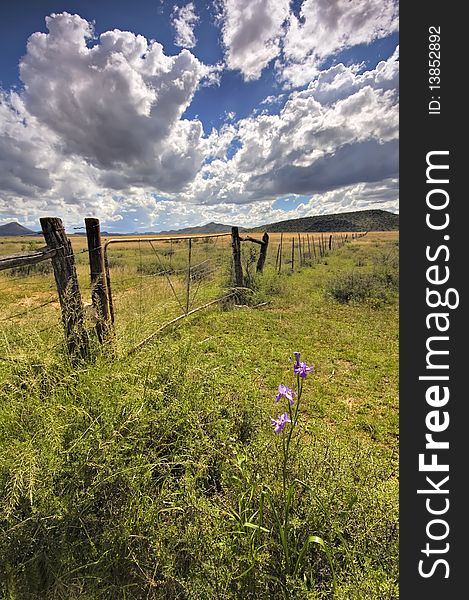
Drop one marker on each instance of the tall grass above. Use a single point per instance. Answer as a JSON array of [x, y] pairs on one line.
[[137, 477]]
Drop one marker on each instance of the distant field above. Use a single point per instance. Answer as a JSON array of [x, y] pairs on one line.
[[159, 475]]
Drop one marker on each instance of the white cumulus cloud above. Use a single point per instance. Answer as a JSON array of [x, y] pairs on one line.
[[116, 103], [326, 27], [251, 32], [339, 133], [184, 21], [99, 129], [255, 32]]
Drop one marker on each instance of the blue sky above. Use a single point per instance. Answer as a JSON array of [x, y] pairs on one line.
[[154, 115]]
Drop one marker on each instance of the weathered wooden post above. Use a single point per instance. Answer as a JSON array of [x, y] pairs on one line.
[[237, 266], [99, 295], [292, 254], [314, 247], [281, 252], [309, 247], [262, 253], [108, 284], [330, 242], [63, 263], [299, 250], [278, 255]]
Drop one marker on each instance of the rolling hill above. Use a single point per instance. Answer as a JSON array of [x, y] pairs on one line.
[[200, 229], [362, 220]]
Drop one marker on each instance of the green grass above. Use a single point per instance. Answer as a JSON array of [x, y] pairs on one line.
[[134, 477]]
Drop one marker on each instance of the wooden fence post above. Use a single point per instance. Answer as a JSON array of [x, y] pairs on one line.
[[63, 263], [330, 242], [299, 250], [278, 254], [293, 254], [237, 266], [263, 253], [281, 252], [99, 294], [108, 284], [309, 247]]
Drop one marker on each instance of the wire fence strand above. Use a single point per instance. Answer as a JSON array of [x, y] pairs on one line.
[[29, 310]]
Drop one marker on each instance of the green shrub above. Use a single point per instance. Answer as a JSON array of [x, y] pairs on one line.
[[376, 288]]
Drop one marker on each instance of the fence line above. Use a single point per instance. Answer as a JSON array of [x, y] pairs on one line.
[[303, 248], [304, 251]]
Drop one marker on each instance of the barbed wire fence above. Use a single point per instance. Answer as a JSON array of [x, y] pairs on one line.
[[178, 274], [38, 298], [133, 288], [296, 250]]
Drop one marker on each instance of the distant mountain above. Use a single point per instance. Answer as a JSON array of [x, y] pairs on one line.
[[208, 228], [13, 228], [361, 220]]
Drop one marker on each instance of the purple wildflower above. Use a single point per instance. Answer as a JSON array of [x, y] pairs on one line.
[[301, 368], [283, 390], [279, 423]]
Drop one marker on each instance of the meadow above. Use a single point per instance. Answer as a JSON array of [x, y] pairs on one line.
[[159, 475]]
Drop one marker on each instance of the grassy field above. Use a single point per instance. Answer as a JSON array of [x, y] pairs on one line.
[[160, 476]]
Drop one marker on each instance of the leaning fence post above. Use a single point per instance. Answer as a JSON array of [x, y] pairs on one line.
[[63, 263], [237, 266], [263, 253], [99, 293]]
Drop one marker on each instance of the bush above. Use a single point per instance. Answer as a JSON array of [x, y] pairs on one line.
[[376, 288]]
